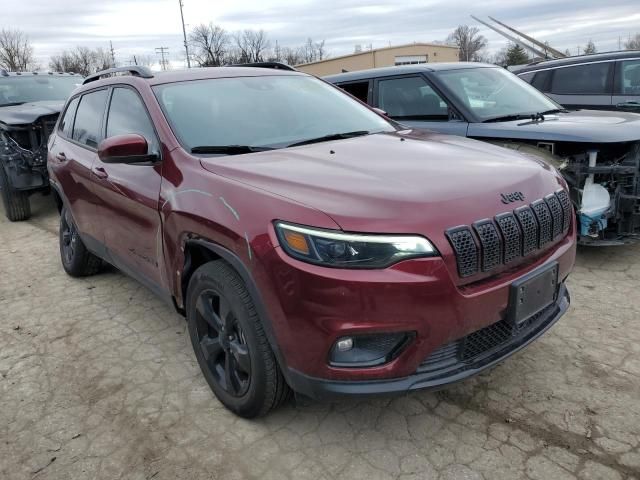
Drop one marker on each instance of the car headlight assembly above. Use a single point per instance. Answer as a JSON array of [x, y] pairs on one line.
[[331, 248]]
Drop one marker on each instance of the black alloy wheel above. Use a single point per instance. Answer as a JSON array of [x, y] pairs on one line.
[[223, 343], [230, 342]]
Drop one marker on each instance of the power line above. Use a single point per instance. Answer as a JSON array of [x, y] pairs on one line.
[[184, 33], [162, 51]]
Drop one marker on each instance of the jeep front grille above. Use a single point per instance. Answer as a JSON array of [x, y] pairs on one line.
[[510, 235]]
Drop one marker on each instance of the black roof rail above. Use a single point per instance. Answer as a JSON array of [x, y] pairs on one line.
[[274, 65], [136, 71]]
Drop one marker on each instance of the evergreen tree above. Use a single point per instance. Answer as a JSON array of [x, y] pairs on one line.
[[516, 55]]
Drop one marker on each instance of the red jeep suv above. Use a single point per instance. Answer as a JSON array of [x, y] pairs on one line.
[[312, 244]]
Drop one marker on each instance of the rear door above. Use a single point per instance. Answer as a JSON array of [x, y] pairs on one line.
[[129, 193], [72, 156], [626, 91], [411, 100], [589, 85]]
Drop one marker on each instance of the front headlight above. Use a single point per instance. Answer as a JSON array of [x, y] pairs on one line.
[[331, 248]]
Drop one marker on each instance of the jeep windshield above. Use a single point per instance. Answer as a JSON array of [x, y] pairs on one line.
[[19, 89], [228, 116], [493, 94]]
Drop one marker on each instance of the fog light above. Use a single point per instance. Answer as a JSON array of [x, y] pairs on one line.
[[344, 344], [368, 350]]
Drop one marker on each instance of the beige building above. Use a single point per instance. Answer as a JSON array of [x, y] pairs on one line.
[[413, 53]]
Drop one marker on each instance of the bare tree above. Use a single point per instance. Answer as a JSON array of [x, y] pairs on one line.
[[103, 59], [209, 44], [469, 42], [16, 53], [590, 48], [309, 51], [313, 51], [81, 60], [252, 45], [633, 43], [292, 56], [321, 52]]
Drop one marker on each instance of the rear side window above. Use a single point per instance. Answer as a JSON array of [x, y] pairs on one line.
[[87, 128], [359, 90], [411, 98], [66, 124], [127, 114], [628, 78], [591, 79]]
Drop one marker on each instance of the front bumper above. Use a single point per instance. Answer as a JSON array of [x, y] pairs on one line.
[[310, 307], [451, 363]]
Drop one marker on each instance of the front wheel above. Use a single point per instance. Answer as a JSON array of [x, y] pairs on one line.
[[230, 343], [16, 203]]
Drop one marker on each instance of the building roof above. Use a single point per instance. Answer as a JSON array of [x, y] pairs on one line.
[[594, 57], [365, 52], [404, 69]]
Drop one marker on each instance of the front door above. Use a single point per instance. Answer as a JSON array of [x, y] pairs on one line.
[[626, 93], [412, 101], [129, 194]]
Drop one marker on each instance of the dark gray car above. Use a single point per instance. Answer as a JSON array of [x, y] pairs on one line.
[[597, 152], [29, 107], [603, 81]]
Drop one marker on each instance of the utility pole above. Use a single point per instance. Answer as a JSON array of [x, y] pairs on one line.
[[184, 33], [113, 54], [162, 51]]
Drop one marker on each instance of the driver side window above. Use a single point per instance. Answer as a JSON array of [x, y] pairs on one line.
[[127, 114], [411, 98]]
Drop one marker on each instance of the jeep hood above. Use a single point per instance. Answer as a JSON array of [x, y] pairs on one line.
[[387, 183], [28, 112], [588, 126]]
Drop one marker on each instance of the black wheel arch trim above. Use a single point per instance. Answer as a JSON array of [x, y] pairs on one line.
[[238, 265]]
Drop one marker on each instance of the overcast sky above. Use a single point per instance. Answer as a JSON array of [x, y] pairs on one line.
[[138, 26]]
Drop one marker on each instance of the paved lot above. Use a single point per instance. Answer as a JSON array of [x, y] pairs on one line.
[[98, 380]]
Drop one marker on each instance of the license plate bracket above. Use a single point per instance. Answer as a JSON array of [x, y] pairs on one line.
[[533, 293]]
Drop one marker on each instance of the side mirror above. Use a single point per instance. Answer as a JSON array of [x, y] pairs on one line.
[[380, 111], [129, 148]]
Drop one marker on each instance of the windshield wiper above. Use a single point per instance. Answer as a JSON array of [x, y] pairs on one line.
[[333, 136], [555, 110], [229, 149], [507, 118], [534, 117], [12, 104]]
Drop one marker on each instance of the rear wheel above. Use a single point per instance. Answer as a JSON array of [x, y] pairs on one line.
[[230, 343], [77, 261], [16, 203]]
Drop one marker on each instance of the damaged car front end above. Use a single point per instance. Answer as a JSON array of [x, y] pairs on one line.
[[30, 104], [601, 165]]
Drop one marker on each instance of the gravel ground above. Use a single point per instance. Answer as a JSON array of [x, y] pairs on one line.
[[98, 380]]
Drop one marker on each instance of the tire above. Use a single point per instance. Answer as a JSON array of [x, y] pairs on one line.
[[230, 344], [77, 261], [16, 203]]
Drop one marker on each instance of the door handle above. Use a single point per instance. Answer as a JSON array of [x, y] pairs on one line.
[[100, 172], [61, 157]]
